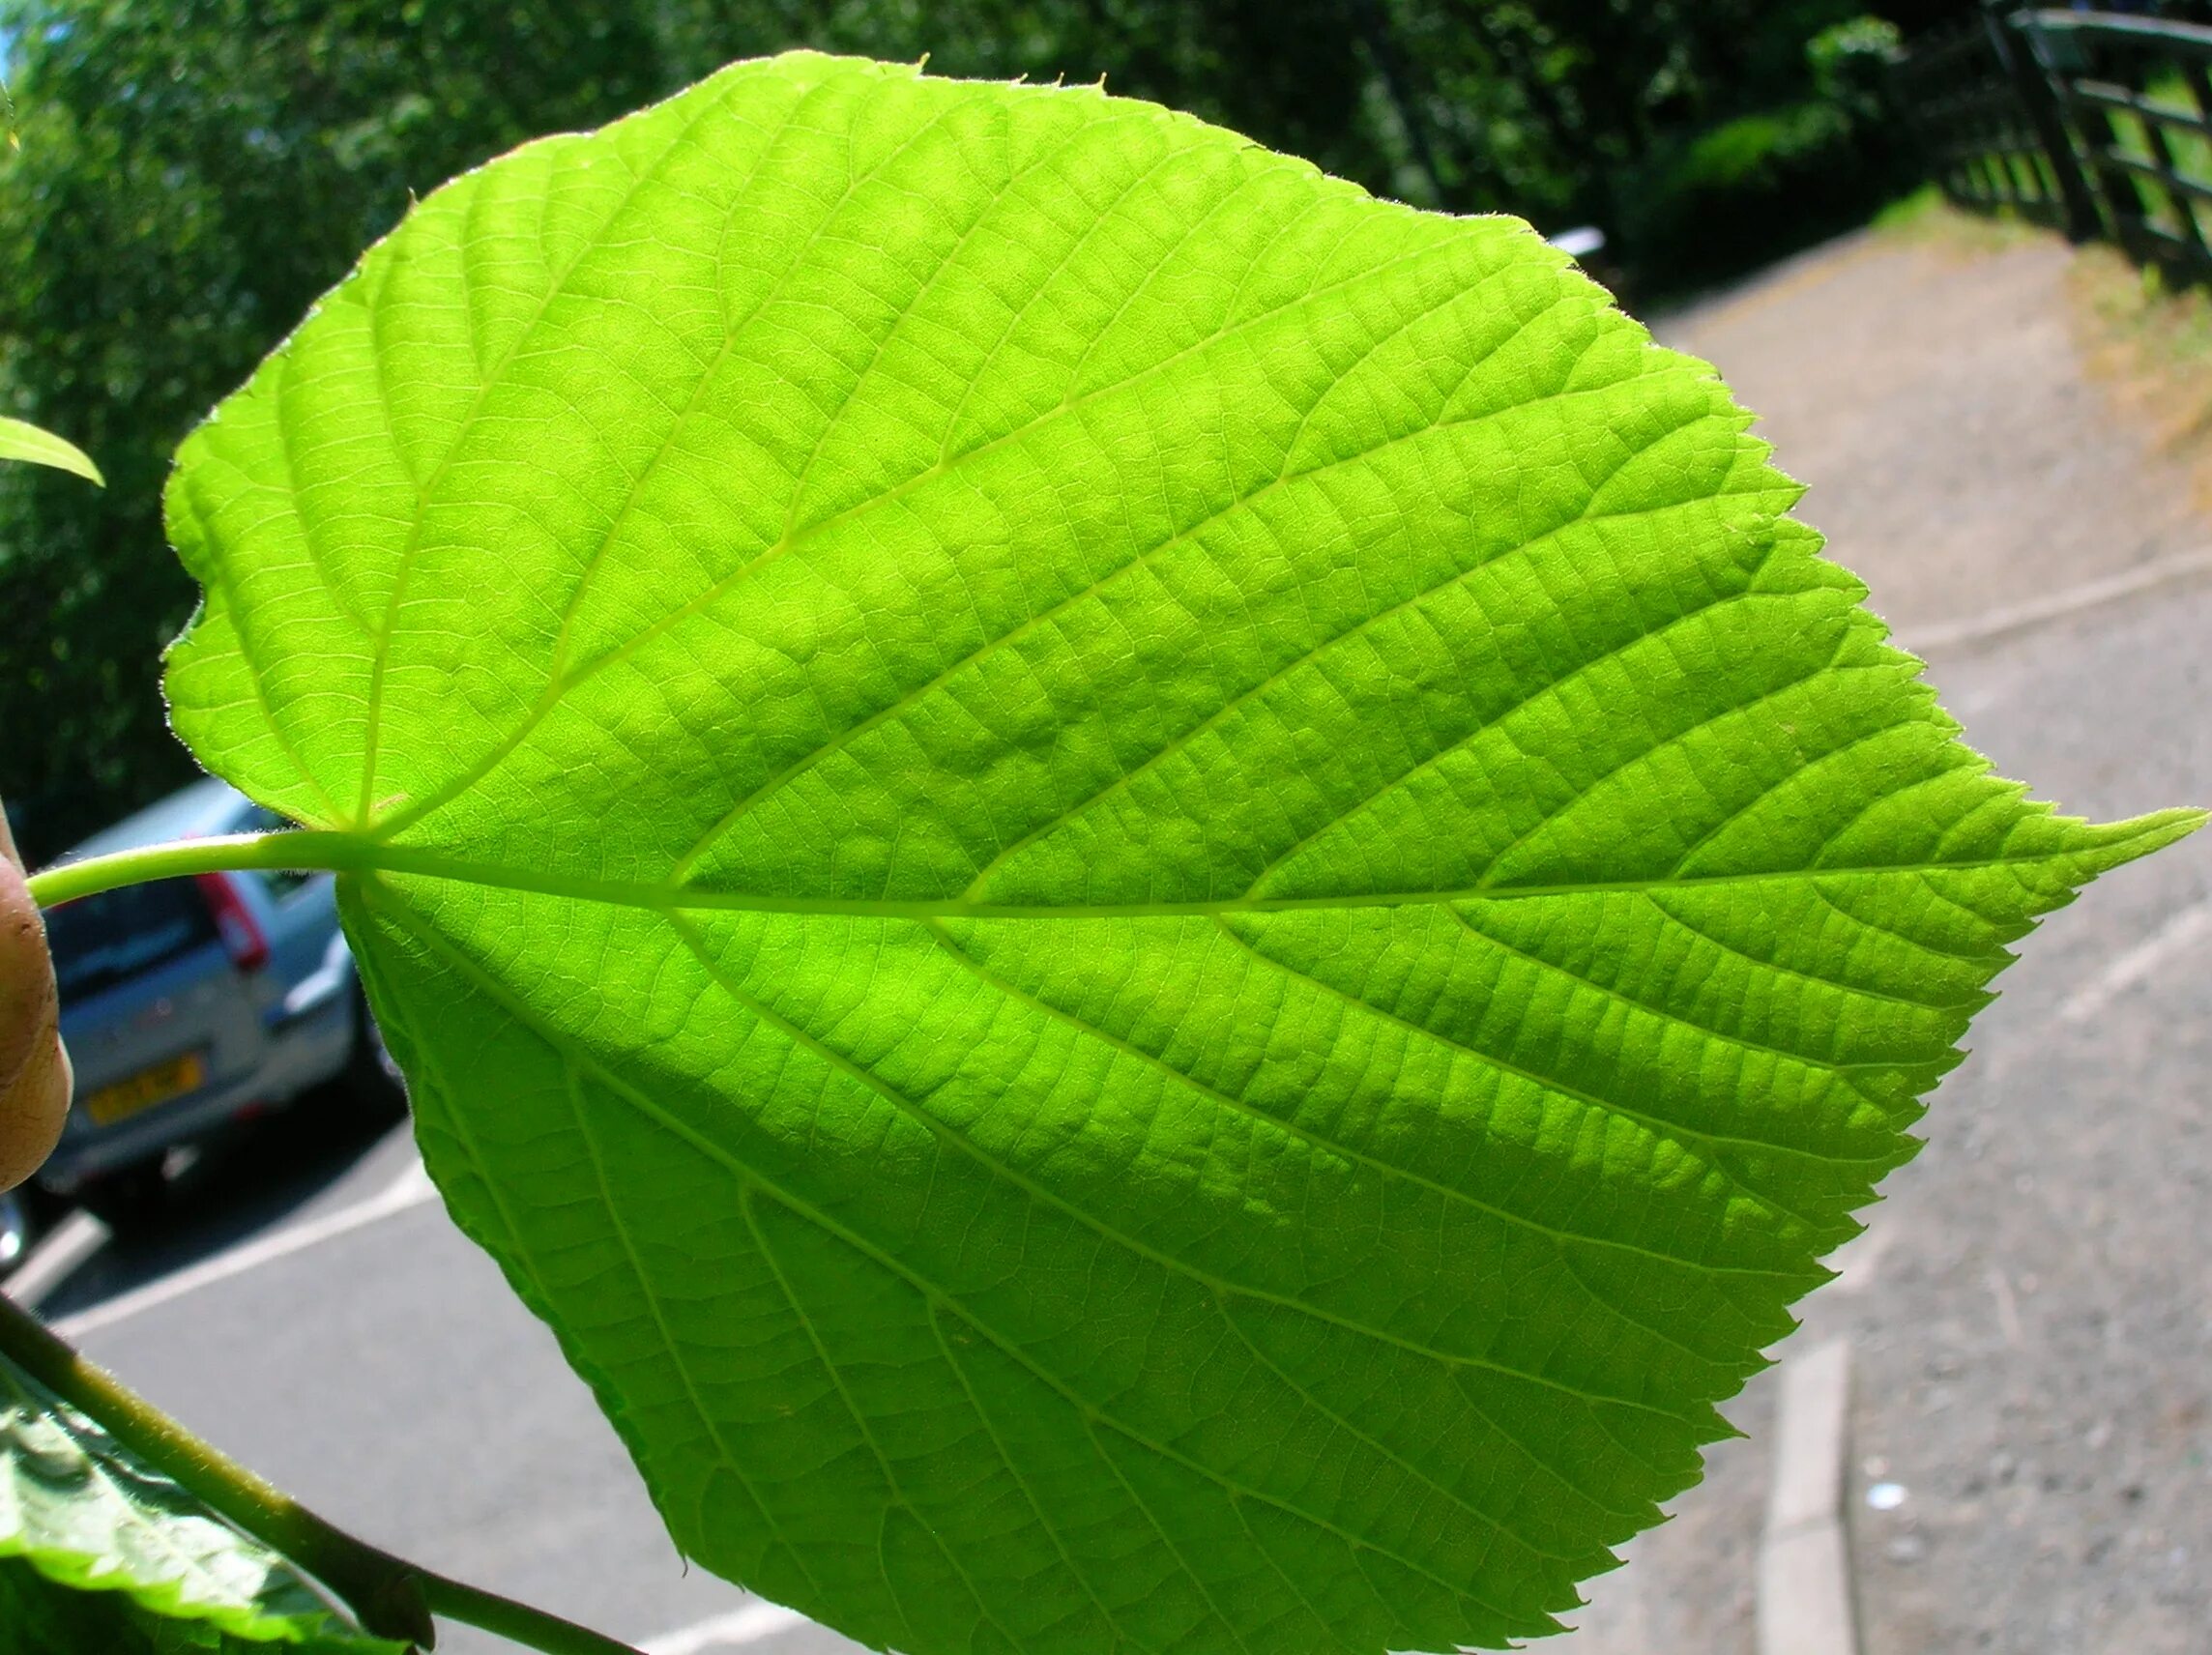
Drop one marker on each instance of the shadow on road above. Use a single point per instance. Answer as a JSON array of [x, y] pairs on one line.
[[257, 1177]]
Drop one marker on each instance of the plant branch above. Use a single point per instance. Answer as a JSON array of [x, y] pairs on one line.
[[391, 1597], [268, 853], [517, 1622]]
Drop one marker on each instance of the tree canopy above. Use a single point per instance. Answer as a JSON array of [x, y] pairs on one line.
[[192, 173]]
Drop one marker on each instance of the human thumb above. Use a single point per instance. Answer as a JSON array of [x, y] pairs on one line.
[[34, 1069]]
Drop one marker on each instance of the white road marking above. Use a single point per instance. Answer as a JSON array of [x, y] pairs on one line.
[[411, 1189], [1804, 1556], [2073, 600], [1856, 1260], [58, 1255], [750, 1624], [2141, 963]]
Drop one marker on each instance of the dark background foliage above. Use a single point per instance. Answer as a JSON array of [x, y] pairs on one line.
[[195, 172]]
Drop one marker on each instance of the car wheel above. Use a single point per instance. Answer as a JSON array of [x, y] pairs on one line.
[[127, 1201]]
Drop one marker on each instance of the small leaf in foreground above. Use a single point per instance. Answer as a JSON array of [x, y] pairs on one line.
[[1160, 908], [22, 441], [38, 1617], [101, 1552]]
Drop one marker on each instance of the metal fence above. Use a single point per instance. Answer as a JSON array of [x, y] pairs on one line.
[[2098, 123]]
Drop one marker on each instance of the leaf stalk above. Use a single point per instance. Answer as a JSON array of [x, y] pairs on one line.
[[227, 852]]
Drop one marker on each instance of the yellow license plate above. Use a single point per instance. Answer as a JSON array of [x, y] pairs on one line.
[[147, 1088]]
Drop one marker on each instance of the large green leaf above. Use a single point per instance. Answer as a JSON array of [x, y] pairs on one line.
[[1157, 905], [100, 1552]]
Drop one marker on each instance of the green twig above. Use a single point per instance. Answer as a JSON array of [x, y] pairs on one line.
[[270, 853], [519, 1622], [390, 1596]]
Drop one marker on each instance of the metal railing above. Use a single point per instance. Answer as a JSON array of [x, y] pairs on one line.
[[2098, 123]]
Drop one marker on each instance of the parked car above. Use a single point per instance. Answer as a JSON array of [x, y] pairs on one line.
[[187, 1004]]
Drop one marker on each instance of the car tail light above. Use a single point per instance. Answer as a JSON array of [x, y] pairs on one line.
[[242, 935]]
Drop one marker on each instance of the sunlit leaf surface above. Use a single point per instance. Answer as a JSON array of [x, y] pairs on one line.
[[1158, 906]]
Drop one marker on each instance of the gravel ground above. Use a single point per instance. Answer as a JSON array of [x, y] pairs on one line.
[[2031, 1309]]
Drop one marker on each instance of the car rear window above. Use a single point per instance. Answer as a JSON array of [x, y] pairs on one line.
[[101, 941]]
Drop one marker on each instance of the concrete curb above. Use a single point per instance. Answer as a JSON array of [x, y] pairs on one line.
[[1804, 1556]]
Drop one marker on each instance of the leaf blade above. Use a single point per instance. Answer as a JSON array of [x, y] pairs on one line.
[[1159, 907]]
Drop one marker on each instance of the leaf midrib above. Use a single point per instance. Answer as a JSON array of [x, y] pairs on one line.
[[678, 898], [343, 851]]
